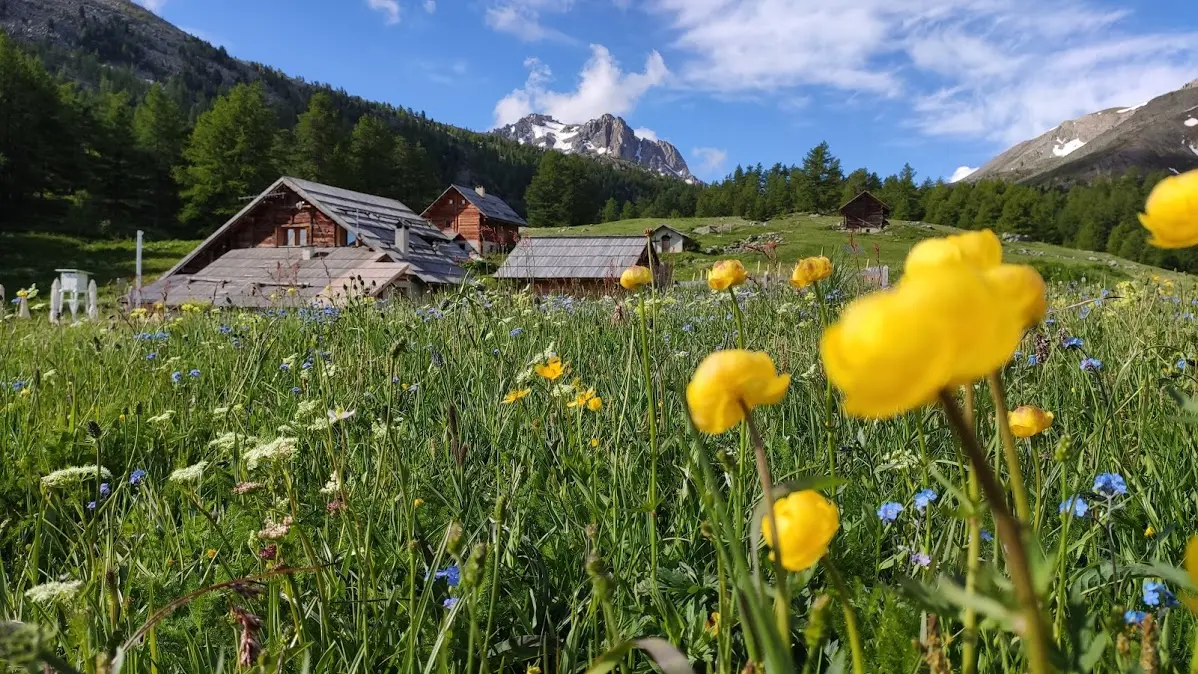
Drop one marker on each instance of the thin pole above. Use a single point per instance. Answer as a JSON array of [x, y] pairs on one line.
[[137, 278]]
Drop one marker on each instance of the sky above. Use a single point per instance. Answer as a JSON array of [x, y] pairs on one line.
[[941, 84]]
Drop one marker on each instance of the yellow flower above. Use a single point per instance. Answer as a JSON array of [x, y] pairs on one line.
[[725, 274], [809, 270], [1191, 565], [22, 293], [291, 290], [513, 396], [1023, 287], [417, 502], [121, 419], [806, 523], [552, 369], [533, 669], [1149, 532], [1028, 420], [980, 250], [1171, 214], [727, 383], [635, 276], [594, 443], [894, 350], [713, 624], [583, 399], [595, 404], [211, 553]]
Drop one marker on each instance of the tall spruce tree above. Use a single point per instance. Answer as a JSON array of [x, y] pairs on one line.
[[318, 153], [550, 195], [611, 210], [373, 162], [160, 131], [228, 157]]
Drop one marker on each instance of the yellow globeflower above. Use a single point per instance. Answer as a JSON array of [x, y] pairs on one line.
[[513, 396], [725, 274], [806, 523], [595, 404], [1028, 420], [635, 276], [1192, 569], [727, 383], [552, 369], [980, 250], [1171, 214], [584, 398], [809, 270], [1022, 287]]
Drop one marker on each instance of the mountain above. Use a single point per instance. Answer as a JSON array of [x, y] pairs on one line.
[[608, 136], [1161, 134]]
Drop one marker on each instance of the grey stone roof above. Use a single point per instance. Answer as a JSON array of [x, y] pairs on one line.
[[573, 257], [491, 206]]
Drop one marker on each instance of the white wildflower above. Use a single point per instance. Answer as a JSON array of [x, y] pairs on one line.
[[227, 441], [189, 474], [242, 488], [320, 425], [332, 486], [161, 418], [307, 408], [49, 376], [220, 412], [74, 475], [273, 531], [47, 594], [286, 429], [340, 414], [275, 450]]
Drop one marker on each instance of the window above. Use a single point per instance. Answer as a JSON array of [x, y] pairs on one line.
[[293, 236], [350, 238]]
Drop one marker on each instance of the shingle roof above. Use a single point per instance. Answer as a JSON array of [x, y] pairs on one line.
[[373, 220], [672, 229], [865, 194], [572, 257], [490, 205]]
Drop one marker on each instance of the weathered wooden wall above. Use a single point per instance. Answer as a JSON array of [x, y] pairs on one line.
[[454, 214]]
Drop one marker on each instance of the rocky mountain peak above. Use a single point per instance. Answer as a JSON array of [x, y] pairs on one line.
[[606, 136]]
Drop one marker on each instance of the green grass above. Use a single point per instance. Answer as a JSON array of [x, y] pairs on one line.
[[545, 507], [805, 235], [31, 257]]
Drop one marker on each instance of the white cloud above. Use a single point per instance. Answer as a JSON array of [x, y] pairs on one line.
[[388, 8], [430, 6], [1003, 70], [522, 18], [647, 134], [961, 173], [152, 5], [711, 159], [603, 87]]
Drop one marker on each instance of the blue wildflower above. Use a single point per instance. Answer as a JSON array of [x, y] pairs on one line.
[[395, 380], [451, 574], [1076, 504], [16, 300], [306, 365], [1181, 364], [987, 536], [1134, 617], [152, 355], [1085, 311], [91, 505], [888, 512], [924, 498], [136, 477], [194, 373], [1110, 485], [105, 490], [1073, 343], [688, 328], [176, 377], [224, 329], [18, 385], [285, 367], [494, 352], [1033, 359], [1157, 594], [450, 602], [516, 332], [1091, 365], [921, 559]]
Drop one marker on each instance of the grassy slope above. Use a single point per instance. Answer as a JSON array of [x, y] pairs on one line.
[[805, 235]]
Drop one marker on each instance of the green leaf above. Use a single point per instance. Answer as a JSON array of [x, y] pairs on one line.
[[1094, 653]]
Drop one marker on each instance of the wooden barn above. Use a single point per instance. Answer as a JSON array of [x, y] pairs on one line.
[[484, 220], [864, 211], [300, 243], [554, 264]]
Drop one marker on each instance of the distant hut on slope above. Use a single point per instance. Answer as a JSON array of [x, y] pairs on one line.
[[864, 211]]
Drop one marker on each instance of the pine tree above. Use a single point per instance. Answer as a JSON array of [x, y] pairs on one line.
[[611, 210], [418, 181], [318, 153], [373, 162], [549, 195], [160, 132], [228, 157], [855, 183], [628, 211]]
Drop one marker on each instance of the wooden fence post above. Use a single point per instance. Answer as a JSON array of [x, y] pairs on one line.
[[55, 301], [93, 300]]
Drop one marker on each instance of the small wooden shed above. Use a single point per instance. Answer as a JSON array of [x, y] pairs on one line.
[[554, 264], [484, 220], [666, 239], [864, 211]]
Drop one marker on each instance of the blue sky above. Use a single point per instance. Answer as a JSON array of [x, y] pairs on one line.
[[942, 84]]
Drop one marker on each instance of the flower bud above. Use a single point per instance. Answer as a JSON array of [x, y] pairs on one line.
[[453, 539]]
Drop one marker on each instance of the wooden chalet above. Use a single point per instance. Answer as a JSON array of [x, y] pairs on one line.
[[301, 242], [864, 211], [484, 220], [666, 239], [570, 263]]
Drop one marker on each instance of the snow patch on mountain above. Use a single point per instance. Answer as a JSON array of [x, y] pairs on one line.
[[1068, 148]]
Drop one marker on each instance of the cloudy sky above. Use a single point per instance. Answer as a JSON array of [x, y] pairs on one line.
[[942, 84]]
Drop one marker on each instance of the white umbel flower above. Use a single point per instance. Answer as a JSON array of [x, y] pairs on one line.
[[48, 594], [227, 441], [332, 486], [189, 474], [161, 418], [276, 450], [74, 475]]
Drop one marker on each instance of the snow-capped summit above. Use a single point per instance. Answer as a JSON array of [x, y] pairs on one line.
[[607, 136]]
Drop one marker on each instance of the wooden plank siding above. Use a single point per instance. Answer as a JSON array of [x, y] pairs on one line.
[[453, 213]]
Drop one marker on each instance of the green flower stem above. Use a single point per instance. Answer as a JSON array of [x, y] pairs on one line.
[[652, 404], [969, 653], [1009, 535], [850, 617], [743, 456], [828, 400], [781, 595], [1010, 452]]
